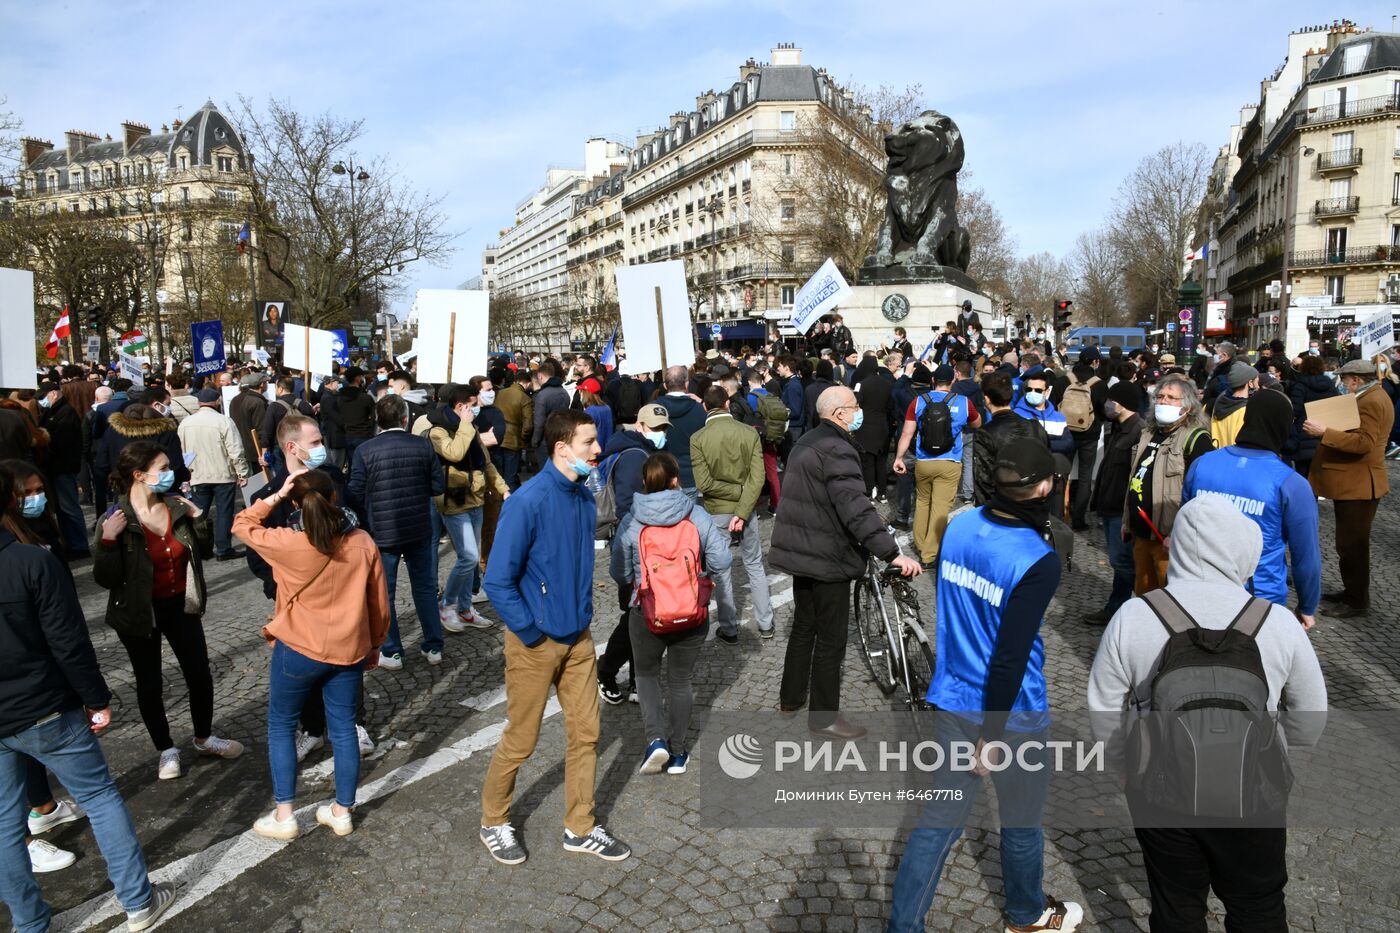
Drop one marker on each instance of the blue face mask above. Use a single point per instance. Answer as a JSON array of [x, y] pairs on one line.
[[581, 467], [165, 483], [315, 456], [857, 421], [1035, 399], [657, 439], [34, 505]]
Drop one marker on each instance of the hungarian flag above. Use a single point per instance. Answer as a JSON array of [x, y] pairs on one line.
[[133, 341], [60, 331]]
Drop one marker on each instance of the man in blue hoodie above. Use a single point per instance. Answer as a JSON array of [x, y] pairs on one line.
[[540, 579], [1253, 478], [687, 416]]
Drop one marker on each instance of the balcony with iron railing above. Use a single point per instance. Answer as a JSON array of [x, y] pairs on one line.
[[1356, 255], [1338, 159], [1337, 207], [1365, 107], [728, 150]]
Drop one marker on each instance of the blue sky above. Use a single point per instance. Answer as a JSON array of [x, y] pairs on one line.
[[1057, 101]]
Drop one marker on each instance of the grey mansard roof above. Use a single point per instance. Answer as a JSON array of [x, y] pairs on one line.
[[208, 129], [787, 82], [1384, 54]]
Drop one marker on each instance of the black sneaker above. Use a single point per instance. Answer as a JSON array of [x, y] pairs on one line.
[[1101, 617], [610, 694], [598, 843], [235, 554], [500, 841], [727, 638]]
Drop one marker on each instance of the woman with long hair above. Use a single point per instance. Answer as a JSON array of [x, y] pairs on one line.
[[149, 553], [662, 504], [332, 616], [33, 519]]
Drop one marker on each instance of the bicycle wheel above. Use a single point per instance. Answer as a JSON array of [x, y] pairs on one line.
[[873, 635]]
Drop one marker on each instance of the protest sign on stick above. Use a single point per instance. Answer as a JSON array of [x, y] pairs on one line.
[[655, 309], [451, 340]]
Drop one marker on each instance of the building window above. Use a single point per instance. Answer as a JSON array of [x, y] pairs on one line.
[[225, 163], [788, 161], [92, 204], [788, 209], [184, 195], [189, 231], [789, 252], [789, 292], [227, 195], [1355, 57], [1337, 244], [1336, 287], [73, 207], [184, 163], [787, 121]]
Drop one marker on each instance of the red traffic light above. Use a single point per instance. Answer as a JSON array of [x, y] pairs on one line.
[[1063, 304]]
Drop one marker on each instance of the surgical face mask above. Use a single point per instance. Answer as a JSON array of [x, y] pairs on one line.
[[857, 421], [164, 483], [1167, 414], [1313, 351], [382, 377], [476, 410], [488, 397], [1110, 410], [391, 390], [656, 438], [581, 467], [1035, 399], [315, 456], [34, 505], [44, 402]]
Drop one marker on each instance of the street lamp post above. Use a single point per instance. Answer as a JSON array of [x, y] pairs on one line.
[[714, 208], [348, 169]]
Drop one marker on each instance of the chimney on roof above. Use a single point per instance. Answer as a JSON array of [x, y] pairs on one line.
[[33, 148], [131, 132], [76, 141], [704, 100], [787, 53], [177, 124], [678, 118], [748, 69]]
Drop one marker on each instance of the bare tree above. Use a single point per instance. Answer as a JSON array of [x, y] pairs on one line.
[[1098, 279], [592, 300], [326, 235], [1037, 281], [993, 256], [1152, 221]]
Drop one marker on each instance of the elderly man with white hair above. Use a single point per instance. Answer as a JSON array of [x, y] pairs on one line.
[[825, 528]]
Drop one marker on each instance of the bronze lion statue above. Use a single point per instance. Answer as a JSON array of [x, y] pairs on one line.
[[921, 183]]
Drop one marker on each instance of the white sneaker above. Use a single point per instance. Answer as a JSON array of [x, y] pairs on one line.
[[450, 620], [45, 856], [340, 825], [472, 618], [65, 812], [270, 827], [391, 662], [480, 597], [219, 748], [169, 765], [306, 744], [1064, 916], [366, 743], [432, 657]]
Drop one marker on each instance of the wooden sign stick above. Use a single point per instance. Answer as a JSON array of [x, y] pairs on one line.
[[660, 327], [306, 368], [253, 433], [451, 341]]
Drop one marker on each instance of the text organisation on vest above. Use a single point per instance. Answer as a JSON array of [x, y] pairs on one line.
[[959, 575], [1246, 505]]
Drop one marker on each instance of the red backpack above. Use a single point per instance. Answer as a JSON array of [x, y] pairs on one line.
[[674, 595]]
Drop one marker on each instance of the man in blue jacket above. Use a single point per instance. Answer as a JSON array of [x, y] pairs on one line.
[[540, 579], [1035, 404], [393, 479], [1254, 479]]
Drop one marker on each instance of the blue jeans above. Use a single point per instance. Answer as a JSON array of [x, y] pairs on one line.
[[465, 531], [66, 746], [1020, 804], [751, 551], [223, 496], [292, 678], [70, 511], [422, 582], [1120, 558]]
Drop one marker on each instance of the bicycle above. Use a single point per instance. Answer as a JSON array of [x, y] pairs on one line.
[[896, 649]]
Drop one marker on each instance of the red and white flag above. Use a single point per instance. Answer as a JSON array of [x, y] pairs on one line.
[[60, 331]]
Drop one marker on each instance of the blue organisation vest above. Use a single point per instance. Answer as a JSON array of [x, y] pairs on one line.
[[980, 562], [957, 407]]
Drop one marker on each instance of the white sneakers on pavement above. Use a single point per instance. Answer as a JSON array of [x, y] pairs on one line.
[[270, 827], [391, 662], [433, 657], [169, 768], [451, 621], [65, 812], [366, 743], [306, 744], [474, 619], [46, 857], [340, 825], [219, 748]]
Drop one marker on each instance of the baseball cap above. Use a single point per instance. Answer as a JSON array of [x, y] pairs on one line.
[[943, 373], [1167, 359], [1024, 462], [205, 396], [653, 416], [1242, 374], [45, 388]]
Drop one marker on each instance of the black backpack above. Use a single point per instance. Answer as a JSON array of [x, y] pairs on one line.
[[936, 426], [1208, 747], [629, 400]]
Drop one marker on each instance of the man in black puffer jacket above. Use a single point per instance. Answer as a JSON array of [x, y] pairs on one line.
[[1004, 427], [825, 529], [550, 396], [393, 480]]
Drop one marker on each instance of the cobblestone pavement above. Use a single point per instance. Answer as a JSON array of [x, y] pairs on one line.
[[414, 863]]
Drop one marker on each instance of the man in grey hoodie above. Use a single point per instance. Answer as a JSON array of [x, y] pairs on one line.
[[1214, 550]]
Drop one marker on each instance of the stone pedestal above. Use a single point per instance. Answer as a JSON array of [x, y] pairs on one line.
[[921, 308]]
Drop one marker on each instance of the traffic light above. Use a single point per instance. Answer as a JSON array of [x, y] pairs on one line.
[[1062, 314]]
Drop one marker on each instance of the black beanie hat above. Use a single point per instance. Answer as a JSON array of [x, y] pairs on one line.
[[1268, 417], [1126, 395]]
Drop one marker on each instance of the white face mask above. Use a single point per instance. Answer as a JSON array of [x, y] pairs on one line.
[[488, 397], [1167, 414]]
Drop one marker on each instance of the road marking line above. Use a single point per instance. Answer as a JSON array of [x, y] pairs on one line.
[[207, 871], [484, 701]]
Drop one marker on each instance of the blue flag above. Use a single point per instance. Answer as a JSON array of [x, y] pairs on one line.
[[207, 337], [609, 358], [340, 347], [927, 350]]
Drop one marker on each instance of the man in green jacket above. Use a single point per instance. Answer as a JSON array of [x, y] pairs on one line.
[[727, 458]]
